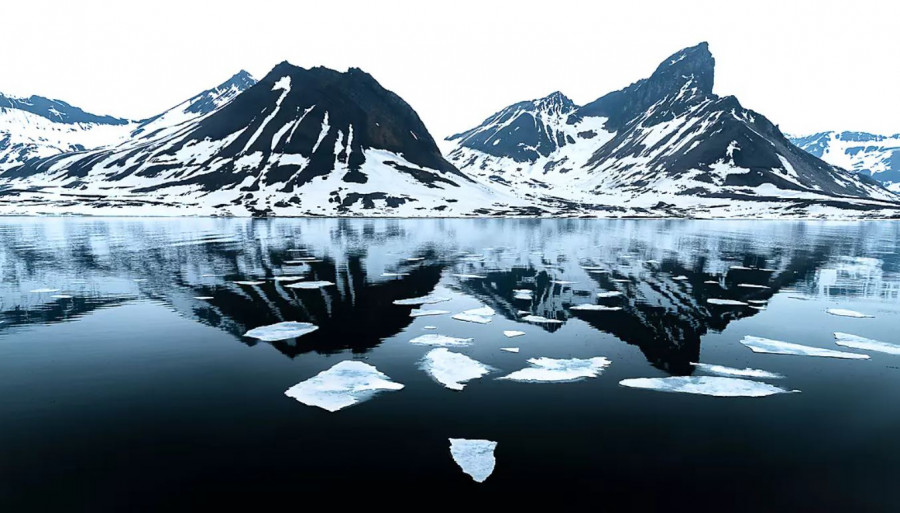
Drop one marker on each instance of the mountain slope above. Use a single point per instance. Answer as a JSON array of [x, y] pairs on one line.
[[299, 142], [663, 145], [861, 152]]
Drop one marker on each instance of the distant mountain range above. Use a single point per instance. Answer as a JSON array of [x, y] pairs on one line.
[[874, 155], [313, 142]]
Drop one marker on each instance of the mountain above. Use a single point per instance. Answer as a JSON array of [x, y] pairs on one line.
[[875, 155], [37, 127], [299, 142], [664, 145]]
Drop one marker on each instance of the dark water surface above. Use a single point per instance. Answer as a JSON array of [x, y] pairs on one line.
[[132, 394]]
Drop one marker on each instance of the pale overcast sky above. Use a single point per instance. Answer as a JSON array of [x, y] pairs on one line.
[[808, 66]]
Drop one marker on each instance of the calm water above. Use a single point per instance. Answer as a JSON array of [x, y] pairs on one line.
[[132, 394]]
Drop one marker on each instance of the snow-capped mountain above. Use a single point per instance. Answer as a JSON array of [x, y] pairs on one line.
[[663, 145], [299, 142], [875, 155], [36, 127]]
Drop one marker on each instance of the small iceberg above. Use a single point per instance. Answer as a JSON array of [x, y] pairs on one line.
[[347, 383], [537, 319], [203, 298], [249, 283], [524, 294], [287, 278], [752, 286], [595, 308], [610, 293], [451, 369], [61, 296], [511, 333], [840, 312], [866, 344], [43, 291], [424, 300], [510, 349], [418, 312], [740, 268], [765, 345], [433, 339], [725, 302], [309, 285], [394, 275], [429, 327], [281, 331], [711, 282], [620, 280], [481, 315], [706, 385], [474, 457], [722, 370], [559, 370], [415, 259], [680, 278]]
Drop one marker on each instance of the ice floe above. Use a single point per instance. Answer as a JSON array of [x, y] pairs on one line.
[[474, 457], [469, 276], [481, 315], [203, 298], [424, 300], [595, 308], [287, 278], [510, 349], [43, 291], [537, 319], [434, 339], [415, 259], [722, 370], [866, 344], [309, 285], [249, 283], [711, 282], [841, 312], [680, 278], [725, 302], [429, 327], [706, 385], [766, 345], [610, 293], [620, 280], [511, 333], [526, 294], [752, 286], [451, 369], [281, 331], [61, 296], [418, 312], [562, 282], [559, 370], [345, 384], [394, 275], [740, 268]]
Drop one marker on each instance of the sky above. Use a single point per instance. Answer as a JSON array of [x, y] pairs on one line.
[[807, 65]]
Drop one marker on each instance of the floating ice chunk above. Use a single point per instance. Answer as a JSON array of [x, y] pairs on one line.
[[287, 278], [249, 283], [740, 268], [767, 270], [415, 259], [610, 293], [474, 457], [522, 312], [394, 275], [592, 268], [725, 302], [61, 296], [848, 313], [345, 384], [469, 276], [595, 308], [418, 312], [510, 349], [540, 320], [722, 370], [752, 286], [433, 339], [562, 282], [526, 294], [867, 344], [559, 370], [203, 298], [44, 291], [711, 282], [429, 327], [467, 317], [511, 334], [309, 285], [484, 311], [680, 278], [424, 300], [765, 345], [706, 385], [281, 331], [620, 280], [451, 369]]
